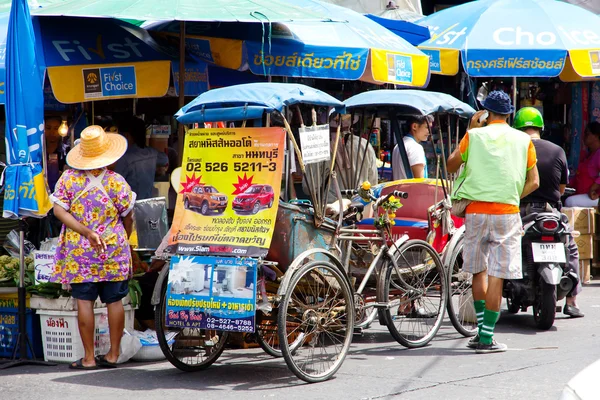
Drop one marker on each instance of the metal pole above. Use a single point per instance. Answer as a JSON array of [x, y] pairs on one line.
[[181, 132], [514, 96]]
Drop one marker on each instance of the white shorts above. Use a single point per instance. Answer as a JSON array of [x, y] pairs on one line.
[[493, 243]]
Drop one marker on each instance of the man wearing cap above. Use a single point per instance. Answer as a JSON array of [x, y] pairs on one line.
[[554, 174], [499, 170]]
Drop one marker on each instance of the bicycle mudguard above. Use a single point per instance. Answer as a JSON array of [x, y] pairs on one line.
[[452, 246], [158, 286]]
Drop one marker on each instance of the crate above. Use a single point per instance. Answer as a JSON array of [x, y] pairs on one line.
[[65, 303], [61, 340], [9, 325]]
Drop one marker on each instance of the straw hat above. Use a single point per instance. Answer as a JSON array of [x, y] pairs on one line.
[[96, 149]]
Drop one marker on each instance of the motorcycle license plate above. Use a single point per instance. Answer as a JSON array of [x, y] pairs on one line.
[[548, 252]]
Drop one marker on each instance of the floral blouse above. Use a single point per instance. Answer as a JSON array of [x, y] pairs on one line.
[[80, 193]]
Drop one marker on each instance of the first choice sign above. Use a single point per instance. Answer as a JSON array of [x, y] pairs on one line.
[[109, 82]]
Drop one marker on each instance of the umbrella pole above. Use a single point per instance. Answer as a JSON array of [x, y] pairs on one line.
[[181, 133], [514, 93], [23, 343]]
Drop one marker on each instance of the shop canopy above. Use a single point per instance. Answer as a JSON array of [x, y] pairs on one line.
[[180, 10], [515, 38], [357, 49], [93, 59], [250, 101]]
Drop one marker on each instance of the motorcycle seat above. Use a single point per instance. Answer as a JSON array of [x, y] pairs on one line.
[[530, 217]]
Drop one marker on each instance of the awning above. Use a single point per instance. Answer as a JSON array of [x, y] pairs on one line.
[[94, 59]]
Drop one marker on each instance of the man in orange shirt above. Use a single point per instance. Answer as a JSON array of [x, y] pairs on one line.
[[499, 169]]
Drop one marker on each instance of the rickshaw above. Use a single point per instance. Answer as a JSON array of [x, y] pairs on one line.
[[311, 292], [428, 217]]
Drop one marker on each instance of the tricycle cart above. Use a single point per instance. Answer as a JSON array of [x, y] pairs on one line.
[[428, 217]]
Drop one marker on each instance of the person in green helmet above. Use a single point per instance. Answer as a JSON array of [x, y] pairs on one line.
[[554, 173]]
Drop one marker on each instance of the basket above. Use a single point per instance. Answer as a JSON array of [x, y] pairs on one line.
[[61, 340], [9, 333]]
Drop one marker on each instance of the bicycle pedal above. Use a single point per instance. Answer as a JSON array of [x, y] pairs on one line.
[[358, 332]]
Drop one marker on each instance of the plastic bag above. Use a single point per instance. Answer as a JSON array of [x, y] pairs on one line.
[[11, 244], [130, 345]]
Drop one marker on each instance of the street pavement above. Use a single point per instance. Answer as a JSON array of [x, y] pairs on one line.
[[537, 366]]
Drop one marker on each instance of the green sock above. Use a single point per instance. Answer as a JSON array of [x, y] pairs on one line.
[[487, 329], [479, 309]]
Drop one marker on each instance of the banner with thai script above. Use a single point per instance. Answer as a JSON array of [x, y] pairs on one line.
[[230, 185], [212, 293]]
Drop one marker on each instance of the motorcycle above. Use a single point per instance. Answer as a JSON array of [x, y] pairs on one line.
[[544, 256]]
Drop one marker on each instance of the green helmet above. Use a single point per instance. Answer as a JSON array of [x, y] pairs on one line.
[[528, 117]]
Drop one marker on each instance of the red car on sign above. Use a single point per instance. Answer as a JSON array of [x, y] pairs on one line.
[[255, 198]]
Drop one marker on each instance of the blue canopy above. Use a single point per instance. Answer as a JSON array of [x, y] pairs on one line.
[[410, 102], [514, 38], [412, 33], [249, 101]]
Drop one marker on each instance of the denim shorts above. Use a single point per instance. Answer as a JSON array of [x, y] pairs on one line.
[[109, 292]]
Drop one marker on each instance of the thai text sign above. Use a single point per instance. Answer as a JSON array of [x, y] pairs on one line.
[[229, 192], [314, 141], [211, 293]]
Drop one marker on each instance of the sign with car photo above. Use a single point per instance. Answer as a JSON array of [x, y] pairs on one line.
[[228, 198]]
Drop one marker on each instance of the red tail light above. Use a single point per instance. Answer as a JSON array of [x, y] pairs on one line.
[[550, 225]]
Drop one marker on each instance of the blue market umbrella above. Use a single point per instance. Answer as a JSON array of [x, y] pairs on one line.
[[25, 192]]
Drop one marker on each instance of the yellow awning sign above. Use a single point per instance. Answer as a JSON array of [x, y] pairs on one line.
[[80, 83]]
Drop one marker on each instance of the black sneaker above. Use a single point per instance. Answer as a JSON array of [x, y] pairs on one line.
[[495, 347], [474, 342]]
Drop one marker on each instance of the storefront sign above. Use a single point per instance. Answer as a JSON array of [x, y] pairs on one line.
[[44, 264], [109, 82], [314, 141], [230, 180], [212, 293]]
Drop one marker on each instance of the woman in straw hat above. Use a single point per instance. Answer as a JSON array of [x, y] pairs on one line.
[[93, 255]]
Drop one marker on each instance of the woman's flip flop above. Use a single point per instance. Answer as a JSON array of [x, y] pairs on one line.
[[79, 365], [102, 362]]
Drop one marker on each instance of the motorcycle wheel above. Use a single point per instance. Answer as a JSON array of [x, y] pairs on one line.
[[544, 309]]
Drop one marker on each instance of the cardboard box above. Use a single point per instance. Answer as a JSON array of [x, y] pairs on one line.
[[585, 245], [581, 219], [584, 271]]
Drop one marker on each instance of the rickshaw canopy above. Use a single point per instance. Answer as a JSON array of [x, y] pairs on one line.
[[250, 101], [409, 102]]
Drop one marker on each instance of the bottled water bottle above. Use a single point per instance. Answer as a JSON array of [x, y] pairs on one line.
[[103, 335]]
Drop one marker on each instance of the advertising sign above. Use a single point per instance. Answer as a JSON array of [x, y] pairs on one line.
[[109, 82], [230, 185], [212, 293]]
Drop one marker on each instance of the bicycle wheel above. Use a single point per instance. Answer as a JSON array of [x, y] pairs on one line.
[[460, 302], [318, 307], [416, 294], [188, 349]]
